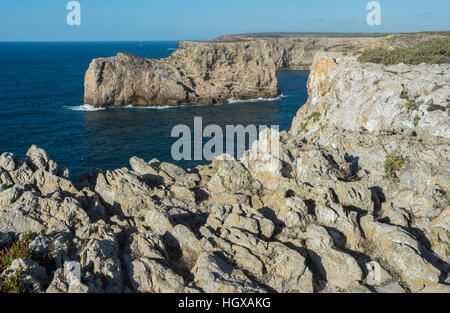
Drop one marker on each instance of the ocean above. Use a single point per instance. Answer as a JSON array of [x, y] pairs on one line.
[[41, 102]]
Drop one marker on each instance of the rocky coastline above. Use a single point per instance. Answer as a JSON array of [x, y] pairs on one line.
[[360, 185], [207, 72]]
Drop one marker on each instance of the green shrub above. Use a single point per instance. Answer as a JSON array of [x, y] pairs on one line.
[[416, 120], [434, 51], [315, 117], [12, 284], [341, 290], [441, 33], [409, 105], [392, 165], [20, 249]]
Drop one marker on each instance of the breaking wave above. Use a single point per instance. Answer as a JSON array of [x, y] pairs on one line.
[[233, 100], [85, 107]]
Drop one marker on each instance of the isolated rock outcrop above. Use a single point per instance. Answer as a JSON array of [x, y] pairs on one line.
[[194, 74]]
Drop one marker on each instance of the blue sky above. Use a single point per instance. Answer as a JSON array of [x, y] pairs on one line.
[[45, 20]]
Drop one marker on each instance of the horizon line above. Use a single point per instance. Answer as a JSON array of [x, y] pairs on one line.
[[232, 34]]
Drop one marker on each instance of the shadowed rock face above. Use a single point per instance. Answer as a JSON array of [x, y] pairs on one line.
[[206, 73]]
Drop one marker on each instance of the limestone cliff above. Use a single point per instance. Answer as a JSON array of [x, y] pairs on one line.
[[297, 52], [352, 95], [196, 73], [206, 73]]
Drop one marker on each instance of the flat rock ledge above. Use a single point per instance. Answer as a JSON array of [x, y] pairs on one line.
[[359, 205]]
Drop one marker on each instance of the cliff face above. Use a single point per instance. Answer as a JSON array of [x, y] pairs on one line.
[[298, 52], [352, 95], [356, 195], [206, 73], [195, 74]]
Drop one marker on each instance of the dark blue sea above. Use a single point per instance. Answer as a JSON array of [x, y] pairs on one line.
[[41, 102]]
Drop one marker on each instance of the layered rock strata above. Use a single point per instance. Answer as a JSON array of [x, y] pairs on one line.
[[206, 73]]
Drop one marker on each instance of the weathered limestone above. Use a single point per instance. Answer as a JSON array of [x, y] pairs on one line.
[[379, 97], [206, 73], [310, 214], [195, 74]]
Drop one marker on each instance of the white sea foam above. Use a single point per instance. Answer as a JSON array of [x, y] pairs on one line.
[[233, 100], [90, 108], [85, 107], [155, 107]]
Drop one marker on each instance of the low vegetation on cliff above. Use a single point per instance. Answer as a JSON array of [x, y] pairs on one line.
[[20, 249], [392, 165], [434, 51]]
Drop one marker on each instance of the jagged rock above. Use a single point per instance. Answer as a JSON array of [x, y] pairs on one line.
[[436, 289], [54, 247], [268, 161], [360, 289], [242, 238], [182, 193], [159, 221], [338, 268], [146, 245], [148, 275], [8, 162], [59, 283], [346, 232], [142, 168], [231, 182], [147, 269], [377, 275], [124, 193], [240, 217], [188, 243], [48, 183], [100, 257], [214, 275], [293, 211], [439, 235], [39, 160], [401, 250]]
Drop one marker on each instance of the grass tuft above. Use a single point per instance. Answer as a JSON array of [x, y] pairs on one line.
[[392, 165], [416, 120], [434, 51], [20, 249], [315, 116]]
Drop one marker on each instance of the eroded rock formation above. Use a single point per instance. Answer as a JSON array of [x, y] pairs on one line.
[[207, 73], [358, 186]]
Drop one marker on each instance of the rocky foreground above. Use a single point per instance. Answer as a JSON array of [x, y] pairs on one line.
[[361, 183]]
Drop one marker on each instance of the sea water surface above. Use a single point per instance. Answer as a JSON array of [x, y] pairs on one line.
[[41, 102]]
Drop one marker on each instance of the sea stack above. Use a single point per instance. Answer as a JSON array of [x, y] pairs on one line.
[[207, 72]]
